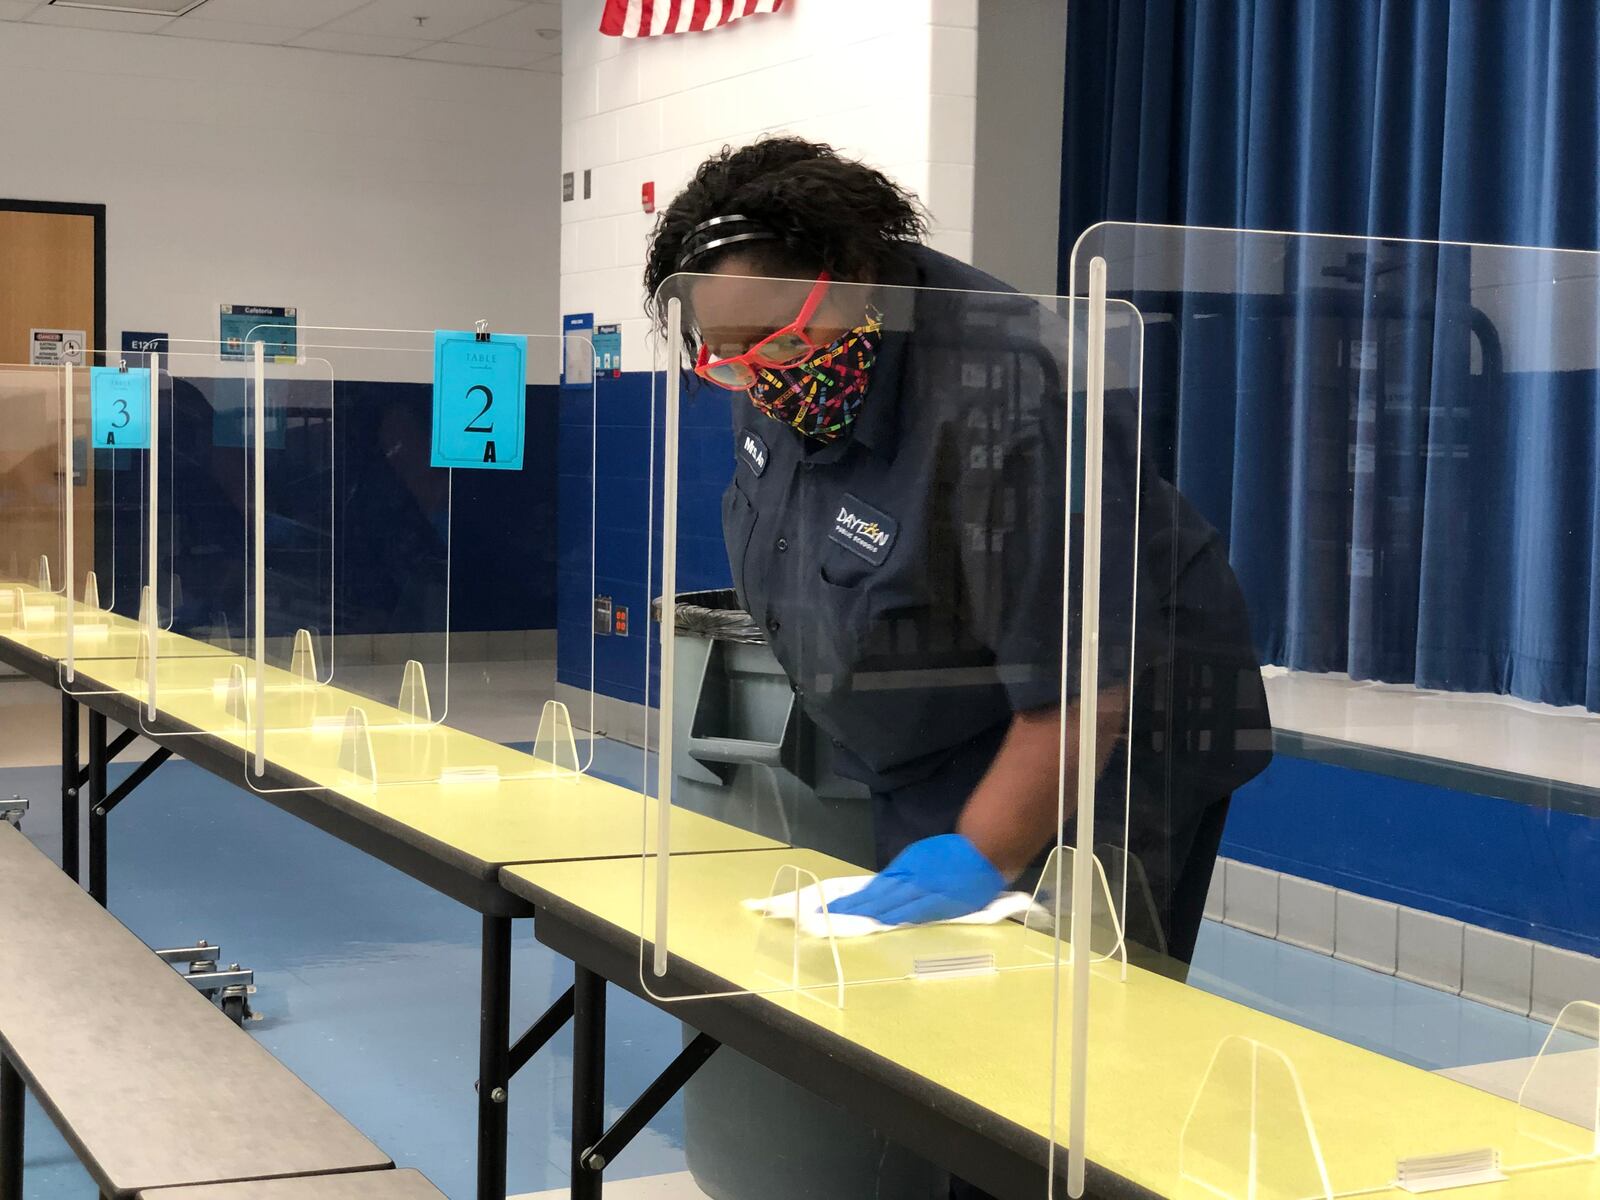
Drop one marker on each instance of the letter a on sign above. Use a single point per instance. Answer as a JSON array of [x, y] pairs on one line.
[[479, 397]]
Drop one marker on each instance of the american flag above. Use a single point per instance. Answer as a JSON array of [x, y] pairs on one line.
[[650, 18]]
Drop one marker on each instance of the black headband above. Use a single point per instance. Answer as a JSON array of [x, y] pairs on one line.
[[719, 232]]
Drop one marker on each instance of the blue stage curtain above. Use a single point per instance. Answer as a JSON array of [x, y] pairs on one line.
[[1452, 542]]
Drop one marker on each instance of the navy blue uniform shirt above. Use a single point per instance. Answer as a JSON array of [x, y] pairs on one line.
[[911, 575]]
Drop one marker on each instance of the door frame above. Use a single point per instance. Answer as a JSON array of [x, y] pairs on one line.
[[98, 212]]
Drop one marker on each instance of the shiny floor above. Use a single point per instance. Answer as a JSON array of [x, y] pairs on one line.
[[368, 981]]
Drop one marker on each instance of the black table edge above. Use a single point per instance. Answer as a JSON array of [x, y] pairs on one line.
[[439, 866]]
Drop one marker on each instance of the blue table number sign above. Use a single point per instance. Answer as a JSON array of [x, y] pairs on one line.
[[119, 408], [479, 396]]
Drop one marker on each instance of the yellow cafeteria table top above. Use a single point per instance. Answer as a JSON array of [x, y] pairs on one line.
[[987, 1038], [480, 825]]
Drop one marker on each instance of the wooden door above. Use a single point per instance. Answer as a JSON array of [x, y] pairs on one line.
[[51, 273]]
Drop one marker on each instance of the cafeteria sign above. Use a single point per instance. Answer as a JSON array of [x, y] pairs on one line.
[[276, 328]]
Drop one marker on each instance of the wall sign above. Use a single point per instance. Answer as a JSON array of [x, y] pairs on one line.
[[119, 406], [608, 349], [278, 328], [56, 347], [137, 347], [577, 350], [480, 392]]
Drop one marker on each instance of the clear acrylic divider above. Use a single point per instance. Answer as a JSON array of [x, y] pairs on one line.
[[106, 419], [1364, 493], [432, 664], [35, 468], [137, 440], [862, 566], [59, 548], [188, 634]]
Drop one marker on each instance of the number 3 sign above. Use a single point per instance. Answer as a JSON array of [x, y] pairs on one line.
[[479, 395], [119, 405]]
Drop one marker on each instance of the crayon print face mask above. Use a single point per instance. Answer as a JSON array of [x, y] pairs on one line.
[[821, 396]]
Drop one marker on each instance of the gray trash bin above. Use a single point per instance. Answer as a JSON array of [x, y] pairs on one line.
[[744, 752]]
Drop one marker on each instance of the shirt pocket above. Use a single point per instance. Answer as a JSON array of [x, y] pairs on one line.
[[835, 631], [839, 568], [738, 526]]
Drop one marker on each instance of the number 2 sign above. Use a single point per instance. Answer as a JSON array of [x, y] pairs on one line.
[[479, 396], [119, 407]]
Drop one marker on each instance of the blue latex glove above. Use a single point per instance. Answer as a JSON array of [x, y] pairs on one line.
[[932, 880]]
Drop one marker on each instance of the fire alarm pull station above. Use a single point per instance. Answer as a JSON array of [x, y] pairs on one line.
[[647, 196]]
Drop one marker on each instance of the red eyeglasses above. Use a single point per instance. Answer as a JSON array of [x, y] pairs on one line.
[[789, 345]]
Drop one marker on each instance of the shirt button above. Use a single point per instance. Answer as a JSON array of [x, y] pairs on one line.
[[783, 544], [772, 625]]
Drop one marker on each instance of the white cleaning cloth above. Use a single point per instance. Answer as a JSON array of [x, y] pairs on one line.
[[848, 925]]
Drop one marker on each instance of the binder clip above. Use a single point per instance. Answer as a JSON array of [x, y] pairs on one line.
[[481, 327], [122, 366]]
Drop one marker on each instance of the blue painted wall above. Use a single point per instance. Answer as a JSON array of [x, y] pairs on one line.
[[390, 522], [1502, 864], [613, 427]]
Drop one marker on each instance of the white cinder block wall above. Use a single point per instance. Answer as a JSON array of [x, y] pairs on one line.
[[365, 191], [889, 81]]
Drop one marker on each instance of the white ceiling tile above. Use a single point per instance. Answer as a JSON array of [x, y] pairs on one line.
[[94, 18], [299, 15], [477, 56], [358, 43], [519, 29], [229, 31], [442, 18], [15, 10]]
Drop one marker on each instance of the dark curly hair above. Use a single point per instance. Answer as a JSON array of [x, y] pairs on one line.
[[829, 213]]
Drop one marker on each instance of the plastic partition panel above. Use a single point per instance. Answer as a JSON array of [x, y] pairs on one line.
[[34, 462], [1367, 495], [181, 638], [108, 425], [66, 507], [430, 668], [891, 496]]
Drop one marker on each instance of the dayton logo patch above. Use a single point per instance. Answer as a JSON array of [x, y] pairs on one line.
[[753, 450], [863, 530]]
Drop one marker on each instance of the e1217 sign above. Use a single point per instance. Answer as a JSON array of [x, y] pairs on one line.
[[479, 400]]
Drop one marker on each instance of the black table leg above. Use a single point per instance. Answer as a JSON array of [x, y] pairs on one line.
[[97, 809], [70, 769], [494, 1057], [588, 1078], [11, 1108]]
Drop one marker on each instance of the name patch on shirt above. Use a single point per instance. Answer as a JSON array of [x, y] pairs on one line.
[[753, 451], [863, 530]]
